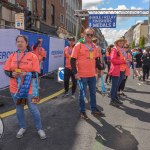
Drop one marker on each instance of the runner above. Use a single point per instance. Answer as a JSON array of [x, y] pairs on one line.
[[23, 67], [39, 51], [117, 69], [68, 71], [85, 56]]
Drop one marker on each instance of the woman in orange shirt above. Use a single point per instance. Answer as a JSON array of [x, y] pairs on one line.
[[22, 67]]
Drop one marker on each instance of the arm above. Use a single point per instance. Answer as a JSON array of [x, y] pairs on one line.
[[9, 74], [113, 58], [73, 65]]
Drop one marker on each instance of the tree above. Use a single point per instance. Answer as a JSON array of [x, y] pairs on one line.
[[133, 45], [142, 42]]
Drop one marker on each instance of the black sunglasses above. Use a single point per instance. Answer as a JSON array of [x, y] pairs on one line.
[[89, 35]]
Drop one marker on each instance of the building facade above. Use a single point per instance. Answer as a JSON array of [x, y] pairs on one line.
[[8, 8], [71, 19], [139, 31]]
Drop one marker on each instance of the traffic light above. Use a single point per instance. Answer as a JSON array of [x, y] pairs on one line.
[[28, 20]]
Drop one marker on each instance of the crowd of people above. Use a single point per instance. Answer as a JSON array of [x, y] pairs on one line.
[[84, 64]]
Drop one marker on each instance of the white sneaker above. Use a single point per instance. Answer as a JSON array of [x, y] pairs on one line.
[[42, 134], [20, 133], [73, 96]]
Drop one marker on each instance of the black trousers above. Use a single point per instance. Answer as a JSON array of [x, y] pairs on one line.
[[146, 70], [67, 75], [122, 85]]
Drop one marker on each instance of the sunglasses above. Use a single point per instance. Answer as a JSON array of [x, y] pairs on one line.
[[126, 47], [89, 35], [71, 40]]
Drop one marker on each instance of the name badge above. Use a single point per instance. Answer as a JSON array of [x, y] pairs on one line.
[[18, 70]]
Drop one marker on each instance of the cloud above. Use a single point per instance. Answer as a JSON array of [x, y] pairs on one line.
[[111, 34], [90, 4]]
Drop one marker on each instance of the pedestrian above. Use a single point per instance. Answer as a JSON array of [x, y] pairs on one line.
[[68, 70], [138, 62], [127, 71], [134, 53], [108, 52], [84, 61], [100, 73], [22, 67], [117, 69], [146, 64], [40, 52]]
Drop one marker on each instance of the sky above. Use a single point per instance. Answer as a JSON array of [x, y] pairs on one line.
[[123, 24]]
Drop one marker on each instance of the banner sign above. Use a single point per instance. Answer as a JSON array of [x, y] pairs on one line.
[[102, 20], [7, 46]]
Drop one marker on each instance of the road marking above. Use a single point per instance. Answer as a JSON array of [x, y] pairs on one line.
[[50, 97]]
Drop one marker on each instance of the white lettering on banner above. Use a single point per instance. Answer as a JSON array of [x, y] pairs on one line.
[[7, 46], [56, 53]]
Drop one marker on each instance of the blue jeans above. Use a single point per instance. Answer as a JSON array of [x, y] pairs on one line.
[[104, 90], [122, 76], [91, 82], [33, 110], [114, 87]]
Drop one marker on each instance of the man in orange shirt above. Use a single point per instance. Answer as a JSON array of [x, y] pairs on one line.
[[39, 51], [68, 70], [85, 57]]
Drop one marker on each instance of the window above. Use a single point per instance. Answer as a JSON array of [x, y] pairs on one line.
[[53, 14], [62, 2], [44, 9], [11, 1], [62, 18], [29, 5]]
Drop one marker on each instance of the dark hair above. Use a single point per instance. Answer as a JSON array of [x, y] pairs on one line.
[[109, 48], [140, 50], [26, 39]]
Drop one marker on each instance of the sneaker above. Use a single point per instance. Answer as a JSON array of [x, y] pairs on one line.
[[98, 113], [66, 94], [73, 96], [113, 103], [42, 134], [83, 116], [119, 102], [20, 133]]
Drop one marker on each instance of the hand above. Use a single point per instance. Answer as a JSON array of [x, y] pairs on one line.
[[15, 74], [22, 74], [77, 77]]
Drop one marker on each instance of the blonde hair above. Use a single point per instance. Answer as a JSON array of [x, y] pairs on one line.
[[87, 29]]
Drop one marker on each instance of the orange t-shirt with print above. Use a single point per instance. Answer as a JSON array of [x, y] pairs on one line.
[[40, 53], [86, 63], [29, 63], [67, 55]]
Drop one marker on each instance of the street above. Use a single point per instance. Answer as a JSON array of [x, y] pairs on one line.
[[124, 128]]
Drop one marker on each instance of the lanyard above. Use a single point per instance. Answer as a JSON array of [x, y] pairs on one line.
[[20, 59], [69, 51], [89, 48]]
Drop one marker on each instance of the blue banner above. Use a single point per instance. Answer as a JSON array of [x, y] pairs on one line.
[[102, 20], [32, 37]]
